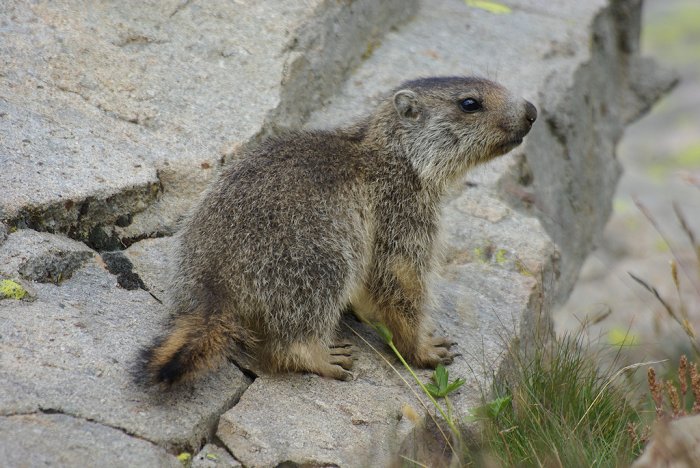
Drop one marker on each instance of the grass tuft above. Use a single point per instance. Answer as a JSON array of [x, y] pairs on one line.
[[559, 409]]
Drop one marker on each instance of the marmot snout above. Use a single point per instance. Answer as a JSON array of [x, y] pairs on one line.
[[307, 224]]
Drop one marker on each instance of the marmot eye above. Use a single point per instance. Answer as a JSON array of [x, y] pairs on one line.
[[470, 105]]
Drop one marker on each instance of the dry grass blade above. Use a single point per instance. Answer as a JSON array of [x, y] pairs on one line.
[[656, 294], [683, 374], [653, 222], [688, 232], [610, 381], [684, 225], [594, 319], [684, 323]]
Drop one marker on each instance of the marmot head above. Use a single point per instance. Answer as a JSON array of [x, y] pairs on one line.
[[448, 124]]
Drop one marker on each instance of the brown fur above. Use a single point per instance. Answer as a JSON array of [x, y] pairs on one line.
[[305, 225]]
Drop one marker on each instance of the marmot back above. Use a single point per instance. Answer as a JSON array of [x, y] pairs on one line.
[[305, 225]]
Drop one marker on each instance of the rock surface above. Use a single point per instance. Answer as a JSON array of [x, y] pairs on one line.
[[42, 257], [674, 444], [213, 456], [115, 116], [60, 440], [71, 351]]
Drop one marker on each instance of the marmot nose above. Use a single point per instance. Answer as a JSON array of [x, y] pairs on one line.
[[530, 112]]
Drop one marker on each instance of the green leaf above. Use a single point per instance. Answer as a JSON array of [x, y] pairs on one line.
[[185, 458], [491, 410], [455, 385], [384, 332], [498, 405], [433, 390], [442, 386], [440, 377]]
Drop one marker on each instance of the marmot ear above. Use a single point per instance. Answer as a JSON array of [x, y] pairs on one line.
[[406, 104]]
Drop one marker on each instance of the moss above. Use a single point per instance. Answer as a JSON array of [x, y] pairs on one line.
[[661, 245], [501, 256], [522, 269], [11, 290], [491, 7], [689, 157]]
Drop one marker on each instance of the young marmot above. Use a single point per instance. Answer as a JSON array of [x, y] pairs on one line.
[[302, 226]]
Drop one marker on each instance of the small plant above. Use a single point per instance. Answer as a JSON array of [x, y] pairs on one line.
[[441, 386]]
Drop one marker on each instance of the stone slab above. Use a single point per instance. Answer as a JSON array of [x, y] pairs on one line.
[[42, 257], [115, 116], [72, 349], [213, 456], [59, 440]]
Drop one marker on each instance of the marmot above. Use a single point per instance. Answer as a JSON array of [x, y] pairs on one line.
[[305, 225]]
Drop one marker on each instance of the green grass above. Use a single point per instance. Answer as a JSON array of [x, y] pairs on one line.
[[558, 408]]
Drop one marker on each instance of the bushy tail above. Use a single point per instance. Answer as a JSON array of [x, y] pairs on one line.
[[197, 341]]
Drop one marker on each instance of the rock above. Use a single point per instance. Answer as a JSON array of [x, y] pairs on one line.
[[151, 261], [3, 233], [212, 456], [72, 351], [41, 257], [67, 177], [318, 422], [137, 114], [61, 440], [674, 444]]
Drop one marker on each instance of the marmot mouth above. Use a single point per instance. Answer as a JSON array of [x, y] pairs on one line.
[[509, 145]]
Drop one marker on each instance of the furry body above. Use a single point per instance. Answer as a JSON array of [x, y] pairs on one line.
[[304, 225]]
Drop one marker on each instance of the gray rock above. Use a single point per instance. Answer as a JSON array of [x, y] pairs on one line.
[[61, 175], [72, 350], [41, 257], [212, 456], [674, 443], [137, 114], [60, 440], [151, 259]]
